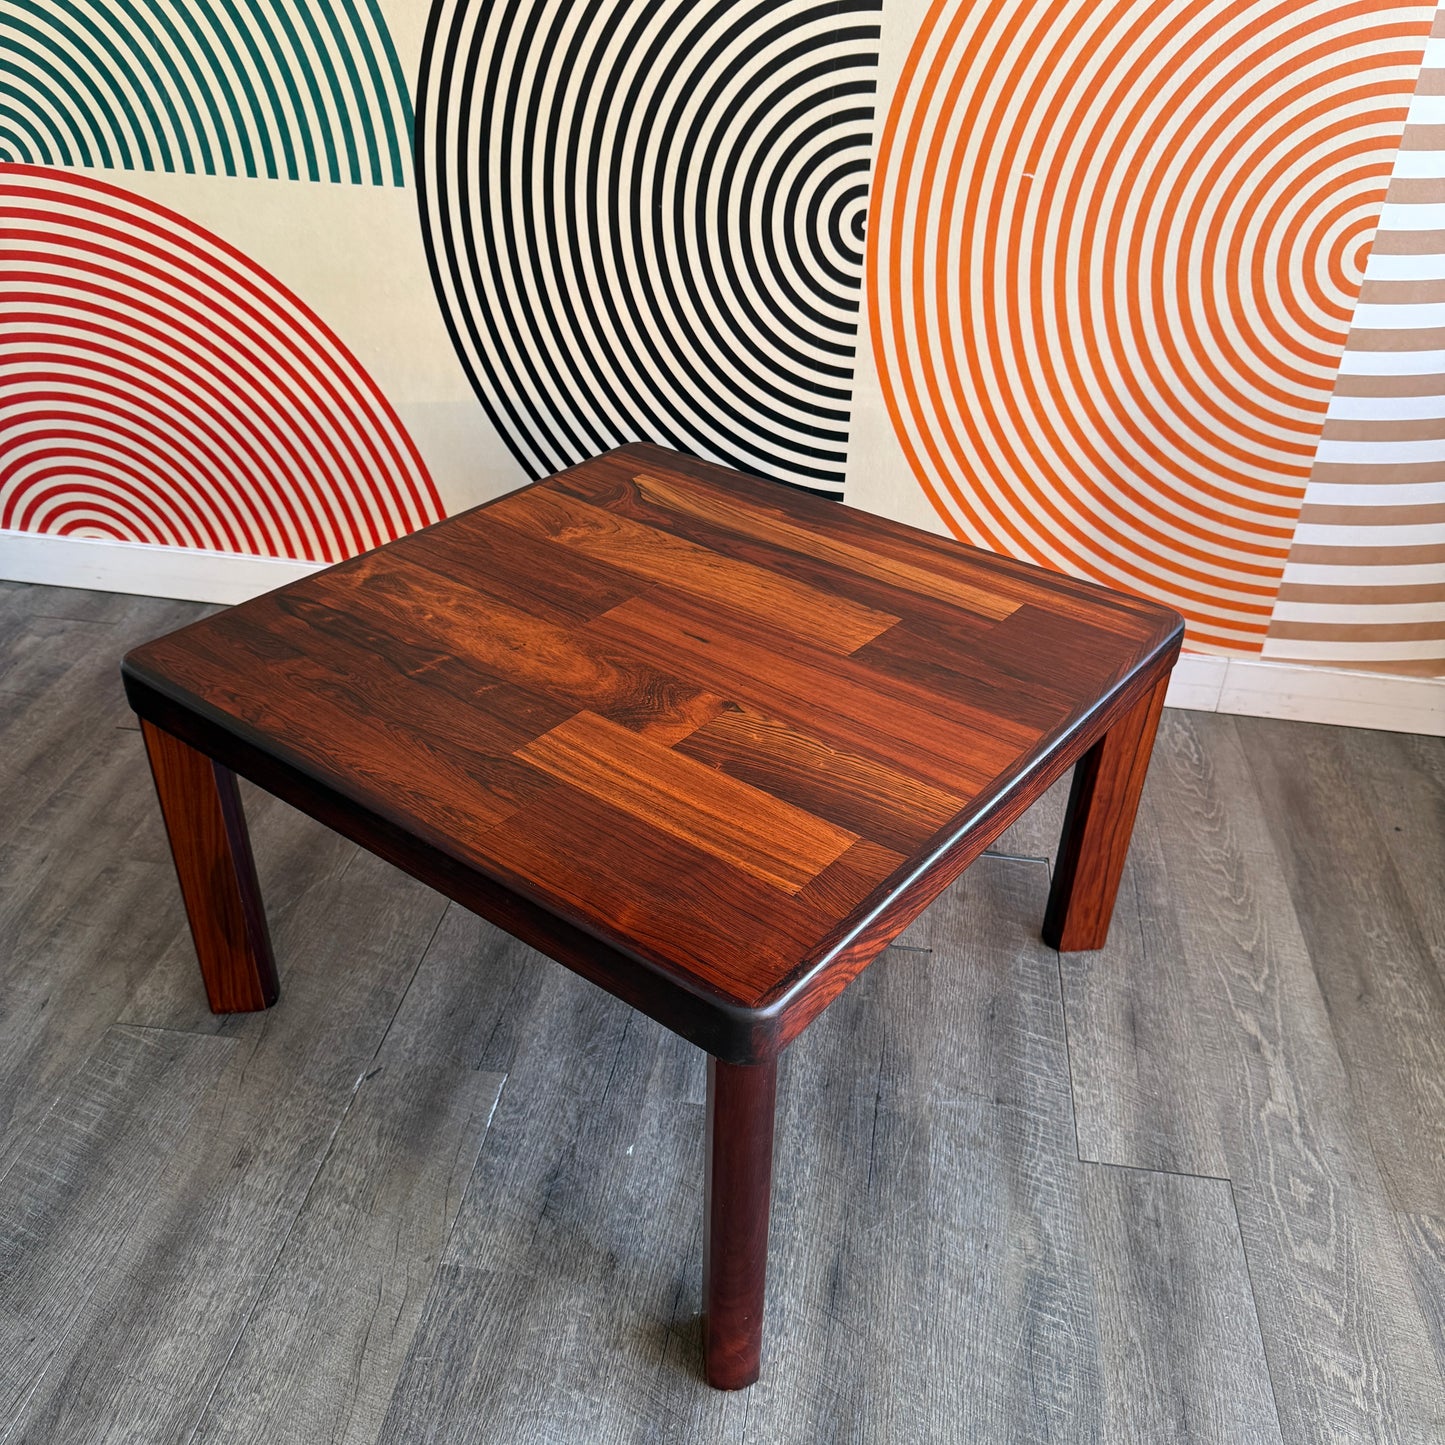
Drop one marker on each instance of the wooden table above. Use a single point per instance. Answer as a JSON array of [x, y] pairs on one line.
[[710, 742]]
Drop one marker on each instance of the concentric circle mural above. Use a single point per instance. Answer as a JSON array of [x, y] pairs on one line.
[[1113, 254], [157, 386], [647, 220], [1109, 255], [302, 90]]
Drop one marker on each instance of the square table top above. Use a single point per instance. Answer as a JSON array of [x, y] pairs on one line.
[[719, 725]]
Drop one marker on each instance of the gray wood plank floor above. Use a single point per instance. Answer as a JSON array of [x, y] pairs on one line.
[[1189, 1188]]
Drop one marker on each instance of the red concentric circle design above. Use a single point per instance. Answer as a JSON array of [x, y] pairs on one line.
[[157, 386]]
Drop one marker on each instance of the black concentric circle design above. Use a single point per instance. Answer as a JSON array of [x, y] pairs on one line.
[[646, 220]]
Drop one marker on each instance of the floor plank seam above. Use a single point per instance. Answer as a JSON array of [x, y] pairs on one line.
[[485, 1048], [1258, 1323], [877, 1109], [169, 1029], [672, 1330], [30, 1394], [406, 992], [346, 868], [605, 1092], [1154, 1169], [1068, 1056], [1068, 1038]]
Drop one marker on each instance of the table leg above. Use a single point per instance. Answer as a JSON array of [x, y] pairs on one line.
[[1108, 780], [740, 1100], [212, 851]]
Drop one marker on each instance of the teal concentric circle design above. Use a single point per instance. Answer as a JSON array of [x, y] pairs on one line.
[[287, 89]]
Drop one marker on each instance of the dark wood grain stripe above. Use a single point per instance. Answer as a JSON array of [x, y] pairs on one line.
[[821, 690], [850, 878], [562, 663], [451, 768], [831, 620], [698, 918], [860, 793], [512, 567], [616, 490], [998, 576], [738, 515]]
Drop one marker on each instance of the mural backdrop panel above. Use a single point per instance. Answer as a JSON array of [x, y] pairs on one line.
[[1364, 586], [1114, 251], [304, 89], [1099, 286], [646, 220], [161, 388]]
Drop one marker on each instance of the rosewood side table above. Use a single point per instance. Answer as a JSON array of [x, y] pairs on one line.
[[710, 742]]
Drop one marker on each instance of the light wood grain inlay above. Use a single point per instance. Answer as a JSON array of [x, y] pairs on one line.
[[762, 835], [828, 619]]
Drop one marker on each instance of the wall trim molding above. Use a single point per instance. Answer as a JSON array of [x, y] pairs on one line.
[[1202, 682], [1253, 687], [187, 573]]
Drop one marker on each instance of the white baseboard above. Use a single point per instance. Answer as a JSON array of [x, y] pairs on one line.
[[1203, 682], [1254, 688], [183, 572]]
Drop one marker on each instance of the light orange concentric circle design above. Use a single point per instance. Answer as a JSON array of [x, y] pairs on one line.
[[1113, 254]]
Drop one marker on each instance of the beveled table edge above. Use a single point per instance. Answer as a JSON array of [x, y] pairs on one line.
[[690, 1009], [898, 900], [720, 1025]]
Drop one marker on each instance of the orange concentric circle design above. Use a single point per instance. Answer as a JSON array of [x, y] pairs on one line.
[[1113, 254]]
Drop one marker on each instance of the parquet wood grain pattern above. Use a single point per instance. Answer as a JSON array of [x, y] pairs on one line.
[[761, 718]]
